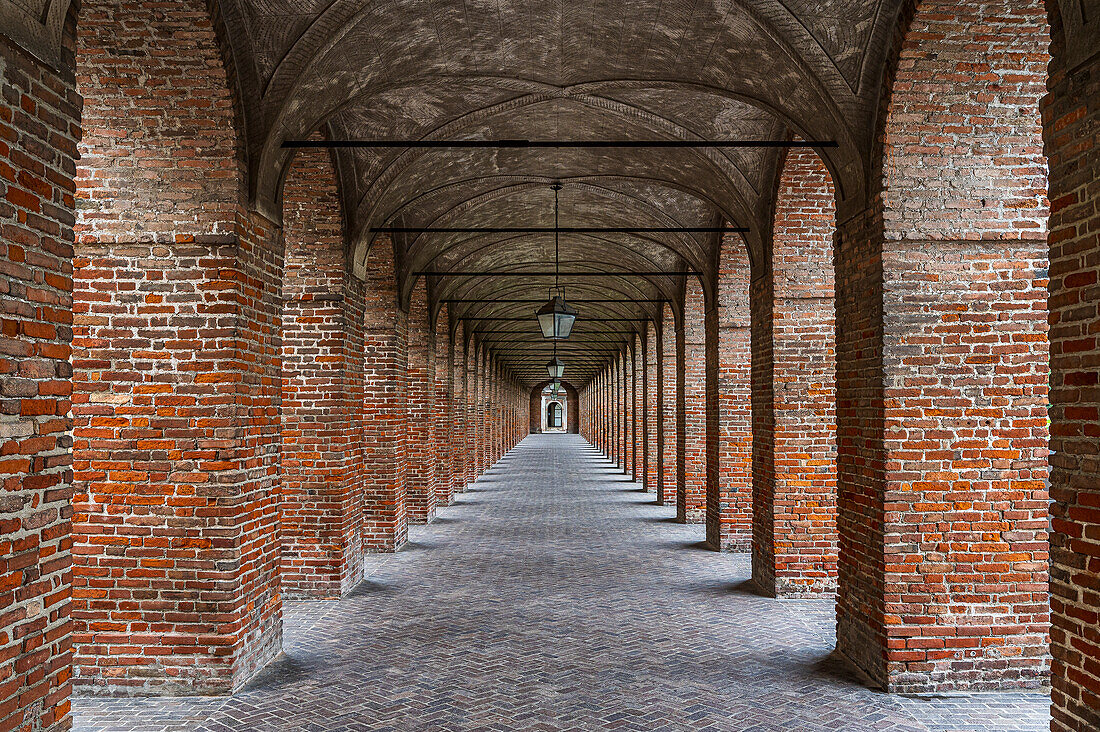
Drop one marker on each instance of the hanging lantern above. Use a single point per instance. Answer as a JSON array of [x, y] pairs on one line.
[[556, 318], [555, 388], [555, 367]]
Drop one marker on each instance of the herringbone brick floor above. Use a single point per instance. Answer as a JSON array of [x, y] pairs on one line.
[[556, 596]]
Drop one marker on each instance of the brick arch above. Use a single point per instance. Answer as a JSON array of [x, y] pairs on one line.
[[941, 361], [573, 422], [186, 127]]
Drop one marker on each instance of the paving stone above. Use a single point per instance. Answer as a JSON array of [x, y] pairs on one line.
[[556, 595]]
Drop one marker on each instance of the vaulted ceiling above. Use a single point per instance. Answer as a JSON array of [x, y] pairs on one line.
[[531, 69]]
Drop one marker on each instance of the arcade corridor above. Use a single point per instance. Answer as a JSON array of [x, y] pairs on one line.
[[555, 595]]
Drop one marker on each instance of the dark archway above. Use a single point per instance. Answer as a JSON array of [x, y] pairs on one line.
[[572, 422]]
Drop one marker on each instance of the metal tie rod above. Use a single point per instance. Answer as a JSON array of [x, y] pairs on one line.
[[656, 273], [557, 144], [559, 230]]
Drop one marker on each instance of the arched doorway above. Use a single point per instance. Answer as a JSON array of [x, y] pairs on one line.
[[567, 401], [554, 416]]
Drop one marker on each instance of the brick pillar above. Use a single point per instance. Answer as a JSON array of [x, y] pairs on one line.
[[624, 412], [615, 398], [609, 405], [794, 390], [603, 413], [652, 396], [628, 411], [691, 494], [385, 411], [422, 478], [942, 366], [498, 408], [669, 406], [729, 494], [623, 434], [213, 308], [599, 412], [36, 249], [444, 409], [322, 389], [637, 354], [176, 377], [1071, 115], [472, 396], [483, 412]]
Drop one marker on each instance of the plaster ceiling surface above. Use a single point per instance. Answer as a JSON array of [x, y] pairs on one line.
[[531, 69]]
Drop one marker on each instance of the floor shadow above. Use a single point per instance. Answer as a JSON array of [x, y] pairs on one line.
[[440, 520], [369, 587], [698, 545], [835, 668], [661, 519], [746, 588], [285, 670]]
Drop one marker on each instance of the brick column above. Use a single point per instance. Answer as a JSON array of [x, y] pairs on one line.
[[637, 387], [691, 494], [729, 492], [422, 478], [652, 396], [624, 412], [942, 366], [444, 409], [472, 395], [628, 411], [1071, 115], [615, 398], [385, 411], [322, 390], [794, 390], [176, 370], [669, 406], [36, 249]]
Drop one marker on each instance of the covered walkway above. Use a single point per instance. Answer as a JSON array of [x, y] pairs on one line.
[[556, 595]]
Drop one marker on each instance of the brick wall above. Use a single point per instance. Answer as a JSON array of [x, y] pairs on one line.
[[796, 484], [319, 516], [176, 369], [691, 493], [729, 494], [162, 158], [1071, 114], [942, 366], [422, 476], [39, 127]]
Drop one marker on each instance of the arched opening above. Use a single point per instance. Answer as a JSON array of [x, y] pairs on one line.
[[555, 416], [545, 400]]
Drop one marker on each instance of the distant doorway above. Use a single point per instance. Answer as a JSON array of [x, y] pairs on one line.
[[554, 409], [555, 417]]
